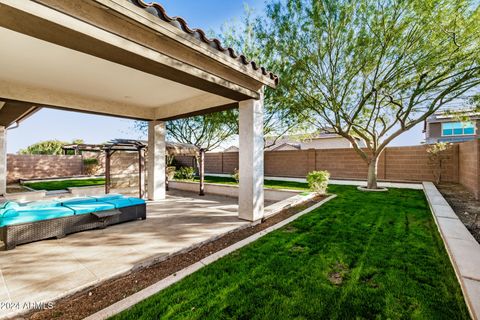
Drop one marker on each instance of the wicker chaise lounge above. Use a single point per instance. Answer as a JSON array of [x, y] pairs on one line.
[[21, 224]]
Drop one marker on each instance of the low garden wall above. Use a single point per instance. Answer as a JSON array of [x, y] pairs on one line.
[[230, 190]]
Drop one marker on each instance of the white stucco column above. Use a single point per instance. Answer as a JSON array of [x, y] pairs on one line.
[[3, 160], [156, 160], [250, 200]]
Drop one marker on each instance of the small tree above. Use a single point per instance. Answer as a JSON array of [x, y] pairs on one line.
[[373, 69], [49, 147], [436, 157]]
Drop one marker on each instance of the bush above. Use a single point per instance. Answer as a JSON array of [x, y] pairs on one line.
[[90, 162], [185, 173], [90, 166], [318, 181], [436, 157], [236, 175], [171, 172]]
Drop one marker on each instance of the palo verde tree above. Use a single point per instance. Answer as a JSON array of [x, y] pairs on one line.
[[373, 69], [244, 38], [212, 130]]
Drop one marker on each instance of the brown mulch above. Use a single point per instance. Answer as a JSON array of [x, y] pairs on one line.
[[464, 205], [89, 301]]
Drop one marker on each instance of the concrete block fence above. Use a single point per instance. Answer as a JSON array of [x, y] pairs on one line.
[[461, 164]]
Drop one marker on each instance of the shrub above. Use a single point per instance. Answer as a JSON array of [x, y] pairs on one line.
[[318, 181], [436, 156], [171, 172], [236, 175], [90, 166], [90, 162], [185, 173]]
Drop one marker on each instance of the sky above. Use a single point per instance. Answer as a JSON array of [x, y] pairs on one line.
[[49, 124]]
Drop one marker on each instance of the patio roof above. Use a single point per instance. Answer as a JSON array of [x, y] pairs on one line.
[[159, 11], [131, 60], [120, 58]]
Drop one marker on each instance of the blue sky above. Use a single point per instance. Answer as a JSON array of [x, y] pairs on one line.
[[65, 126]]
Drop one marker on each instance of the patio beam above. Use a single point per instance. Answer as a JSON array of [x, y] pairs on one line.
[[156, 160], [198, 105], [250, 200], [14, 111], [3, 160], [22, 94]]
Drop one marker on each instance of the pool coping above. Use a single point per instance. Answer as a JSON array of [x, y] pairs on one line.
[[137, 297], [462, 248]]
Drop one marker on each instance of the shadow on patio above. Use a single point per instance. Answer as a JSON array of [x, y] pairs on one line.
[[49, 269]]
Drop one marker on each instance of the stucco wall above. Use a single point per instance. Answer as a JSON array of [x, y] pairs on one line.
[[330, 143]]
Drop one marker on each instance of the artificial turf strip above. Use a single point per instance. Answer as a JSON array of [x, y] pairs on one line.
[[361, 255], [64, 184]]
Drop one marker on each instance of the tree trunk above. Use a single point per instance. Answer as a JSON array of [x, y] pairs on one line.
[[372, 173]]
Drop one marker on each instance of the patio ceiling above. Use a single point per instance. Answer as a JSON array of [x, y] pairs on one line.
[[116, 58], [90, 83]]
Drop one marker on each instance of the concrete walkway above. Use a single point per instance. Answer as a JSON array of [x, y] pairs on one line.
[[49, 269]]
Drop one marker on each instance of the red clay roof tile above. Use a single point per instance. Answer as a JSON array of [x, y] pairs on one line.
[[157, 10]]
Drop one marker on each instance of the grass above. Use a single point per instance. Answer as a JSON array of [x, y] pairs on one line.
[[359, 256], [64, 184]]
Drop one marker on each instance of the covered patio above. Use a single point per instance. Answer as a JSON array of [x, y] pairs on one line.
[[129, 59], [46, 270]]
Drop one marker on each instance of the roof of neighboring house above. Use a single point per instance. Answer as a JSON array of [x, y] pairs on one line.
[[231, 149], [446, 115], [302, 137], [158, 10], [286, 144]]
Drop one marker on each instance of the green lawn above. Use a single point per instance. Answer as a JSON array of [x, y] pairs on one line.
[[64, 184], [268, 183], [359, 256]]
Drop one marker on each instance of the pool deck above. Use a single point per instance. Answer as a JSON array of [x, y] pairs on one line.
[[46, 270]]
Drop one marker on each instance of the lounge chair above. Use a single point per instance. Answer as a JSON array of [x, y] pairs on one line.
[[40, 220]]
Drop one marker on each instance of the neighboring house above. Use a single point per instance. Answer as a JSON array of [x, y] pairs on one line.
[[231, 149], [445, 127], [323, 140], [285, 147]]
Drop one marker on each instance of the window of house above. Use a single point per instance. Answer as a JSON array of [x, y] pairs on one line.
[[458, 128]]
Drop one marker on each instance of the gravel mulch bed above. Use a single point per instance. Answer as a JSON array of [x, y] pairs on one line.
[[464, 205], [89, 301]]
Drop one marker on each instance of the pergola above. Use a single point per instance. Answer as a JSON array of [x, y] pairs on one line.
[[130, 145], [128, 59]]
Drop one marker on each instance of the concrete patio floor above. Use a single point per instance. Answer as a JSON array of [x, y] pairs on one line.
[[49, 269]]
